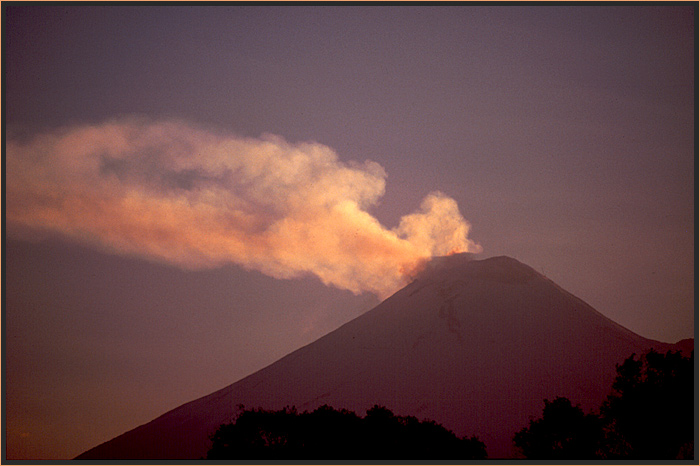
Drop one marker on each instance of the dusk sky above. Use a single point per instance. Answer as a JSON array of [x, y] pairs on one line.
[[194, 192]]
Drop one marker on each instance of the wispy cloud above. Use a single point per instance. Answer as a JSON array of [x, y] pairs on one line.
[[177, 193]]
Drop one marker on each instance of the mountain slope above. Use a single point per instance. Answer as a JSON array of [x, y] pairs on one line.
[[473, 345]]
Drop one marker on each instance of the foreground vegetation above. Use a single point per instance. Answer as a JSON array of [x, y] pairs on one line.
[[649, 415], [327, 433]]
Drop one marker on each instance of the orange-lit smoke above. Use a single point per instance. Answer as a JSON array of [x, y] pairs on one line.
[[172, 192]]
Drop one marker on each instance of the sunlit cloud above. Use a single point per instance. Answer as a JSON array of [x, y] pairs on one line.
[[195, 198]]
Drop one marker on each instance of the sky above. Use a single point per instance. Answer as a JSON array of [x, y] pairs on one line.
[[193, 192]]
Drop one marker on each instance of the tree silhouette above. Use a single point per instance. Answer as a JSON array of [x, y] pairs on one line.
[[650, 412], [563, 432], [330, 434], [648, 415], [256, 433]]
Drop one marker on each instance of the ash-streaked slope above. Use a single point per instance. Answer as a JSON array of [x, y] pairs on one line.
[[474, 344]]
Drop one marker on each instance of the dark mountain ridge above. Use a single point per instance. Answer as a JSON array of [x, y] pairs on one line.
[[475, 345]]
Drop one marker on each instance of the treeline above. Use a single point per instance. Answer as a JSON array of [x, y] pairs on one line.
[[327, 434], [649, 415]]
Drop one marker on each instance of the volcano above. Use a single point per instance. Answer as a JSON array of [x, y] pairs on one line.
[[475, 345]]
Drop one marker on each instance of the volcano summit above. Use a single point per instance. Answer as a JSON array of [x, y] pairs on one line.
[[475, 345]]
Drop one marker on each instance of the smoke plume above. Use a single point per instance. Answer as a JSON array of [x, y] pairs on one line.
[[173, 192]]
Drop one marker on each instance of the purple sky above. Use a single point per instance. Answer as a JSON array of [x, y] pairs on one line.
[[565, 135]]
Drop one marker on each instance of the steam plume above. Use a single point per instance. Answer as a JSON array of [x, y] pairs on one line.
[[173, 192]]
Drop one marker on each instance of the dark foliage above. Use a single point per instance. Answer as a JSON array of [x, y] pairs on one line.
[[563, 432], [650, 412], [649, 415], [327, 433]]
